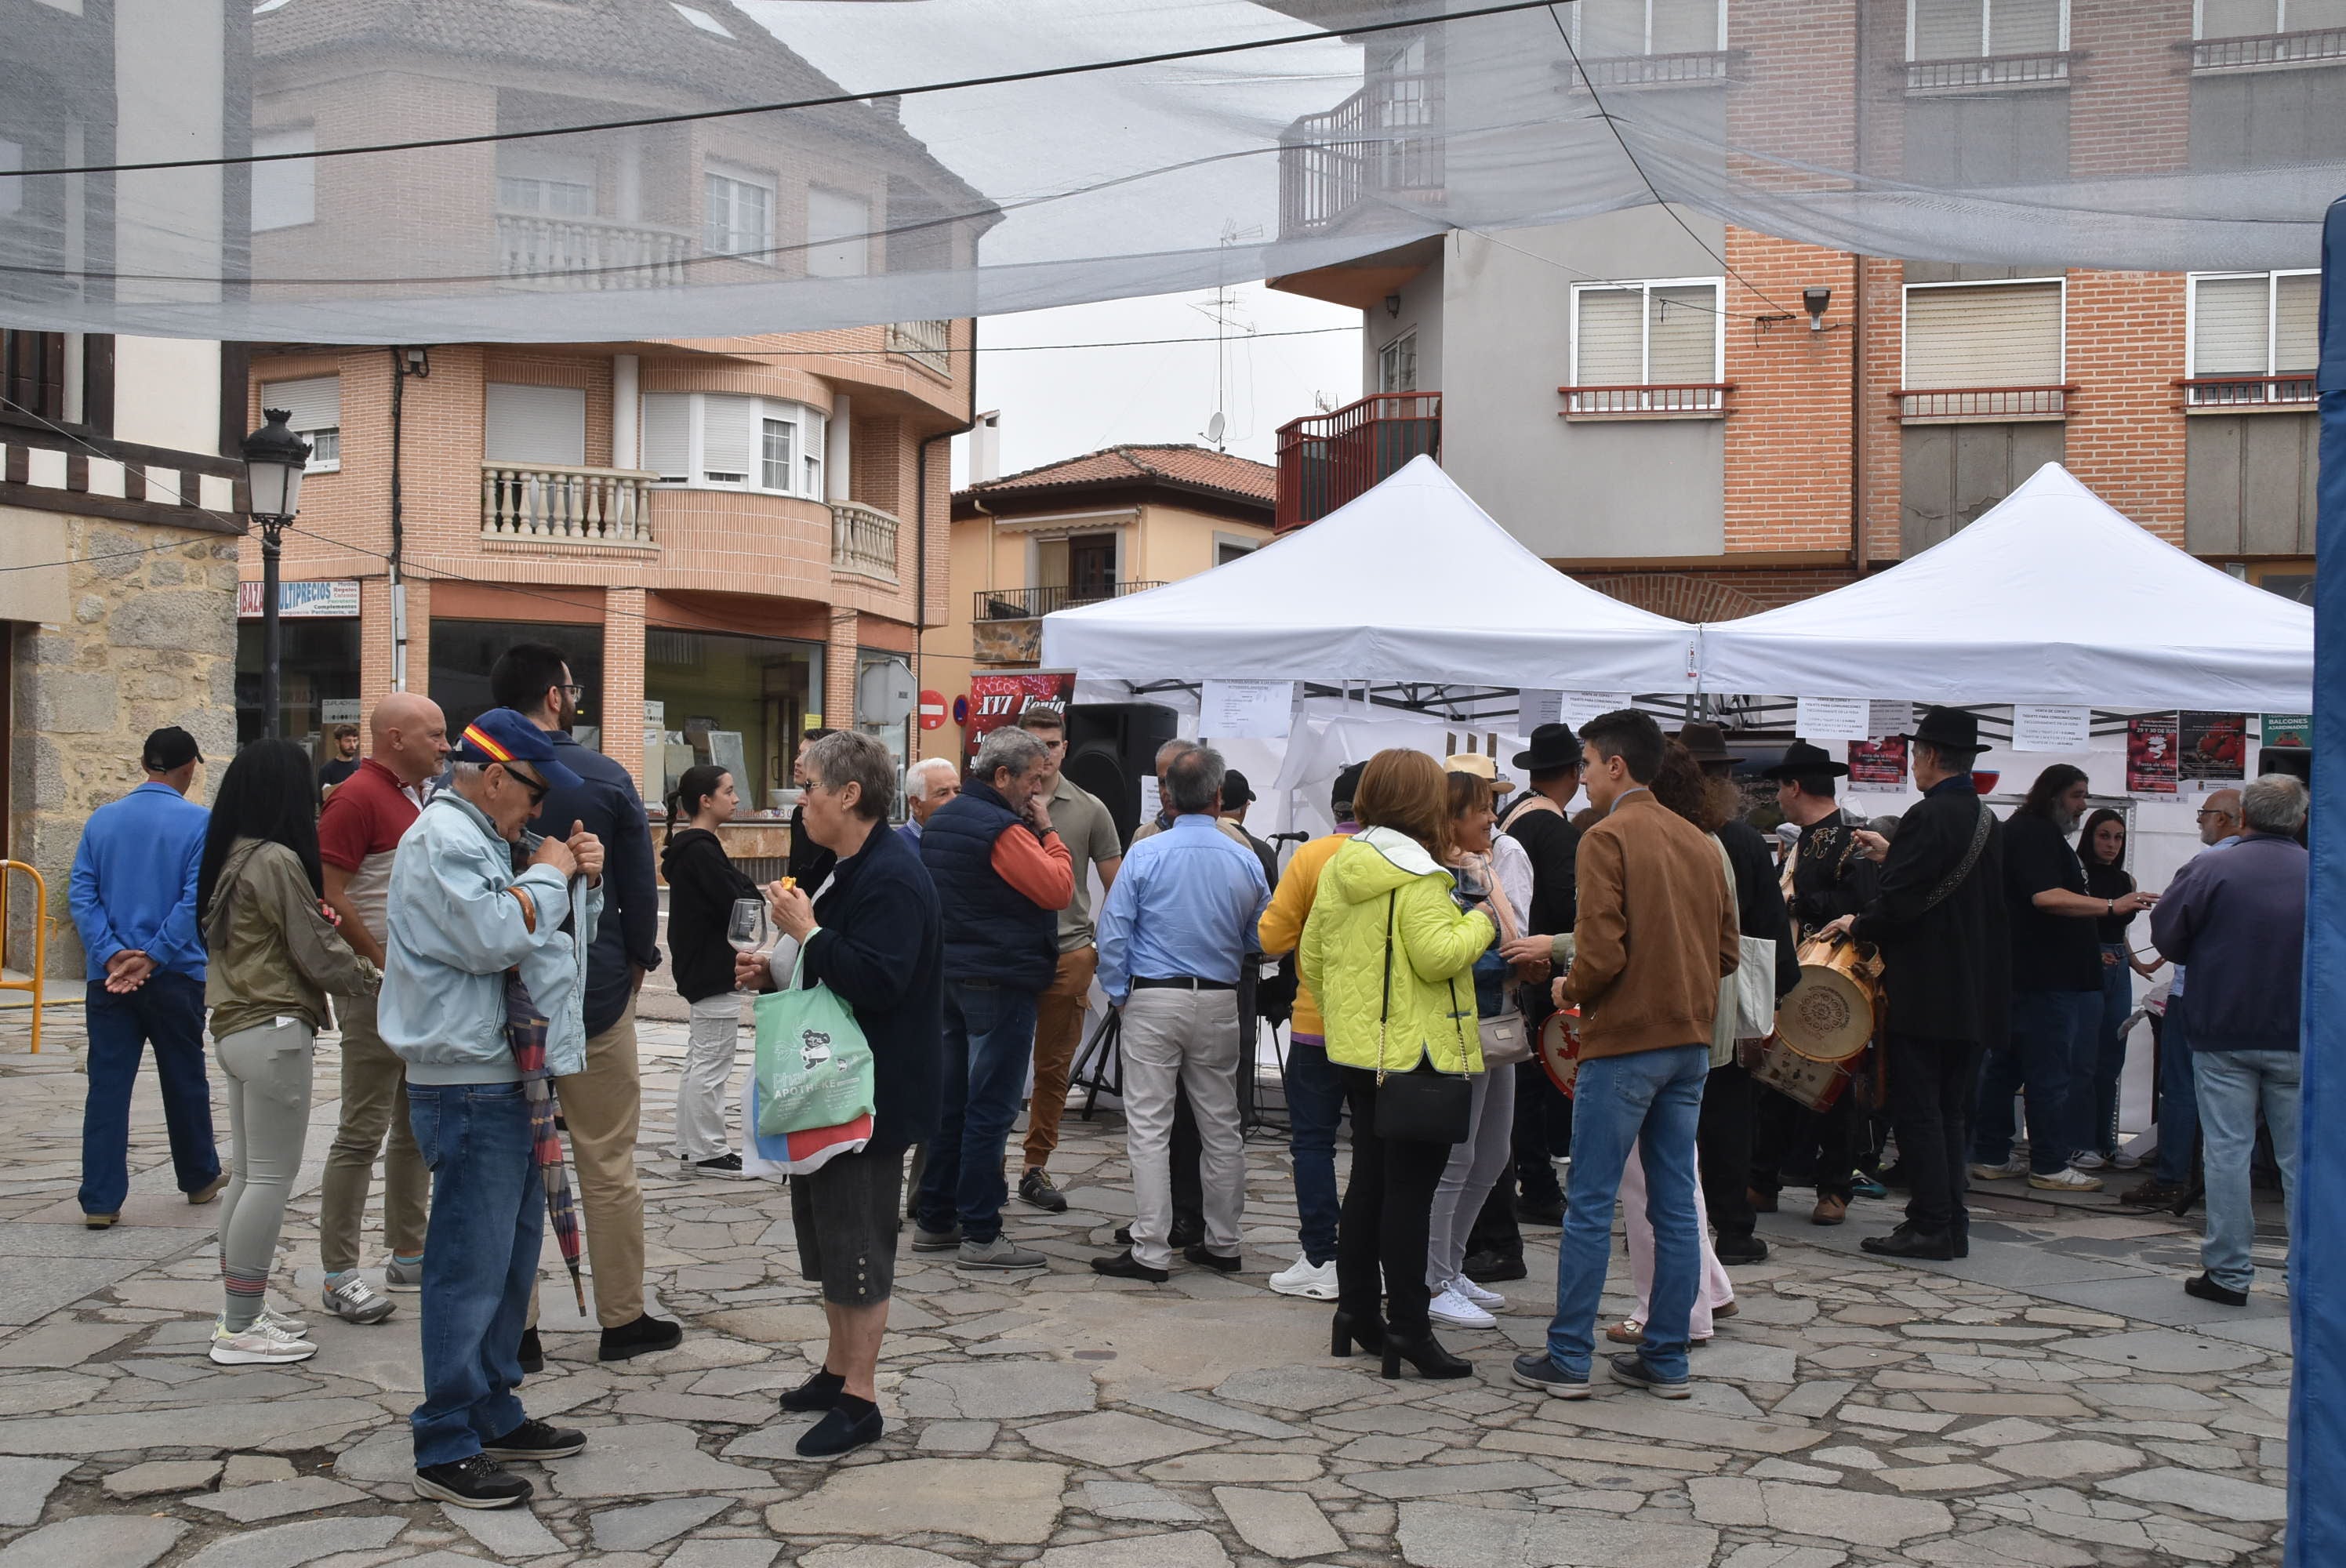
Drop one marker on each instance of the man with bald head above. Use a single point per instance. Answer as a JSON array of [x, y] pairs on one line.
[[357, 835]]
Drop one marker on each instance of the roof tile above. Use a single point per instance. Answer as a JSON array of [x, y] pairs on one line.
[[1186, 466]]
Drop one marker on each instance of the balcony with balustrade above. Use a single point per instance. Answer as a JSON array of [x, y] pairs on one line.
[[537, 503], [1328, 459], [2233, 394], [863, 541], [542, 252], [1384, 141], [928, 344]]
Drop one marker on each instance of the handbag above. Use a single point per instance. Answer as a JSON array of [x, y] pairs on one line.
[[1423, 1105], [813, 1066], [1506, 1040]]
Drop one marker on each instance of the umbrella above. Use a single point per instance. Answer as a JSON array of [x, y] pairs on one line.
[[526, 1031]]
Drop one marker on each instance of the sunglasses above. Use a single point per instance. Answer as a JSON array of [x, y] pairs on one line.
[[537, 791]]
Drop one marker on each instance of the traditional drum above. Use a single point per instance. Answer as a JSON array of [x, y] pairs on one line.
[[1559, 1048], [1823, 1025]]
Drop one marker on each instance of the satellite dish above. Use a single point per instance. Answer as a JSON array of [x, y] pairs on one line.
[[1215, 426]]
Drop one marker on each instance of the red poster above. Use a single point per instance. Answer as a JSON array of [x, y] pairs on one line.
[[2150, 754], [998, 699], [1877, 765], [2213, 748]]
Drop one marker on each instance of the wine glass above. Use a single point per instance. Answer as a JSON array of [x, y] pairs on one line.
[[745, 928]]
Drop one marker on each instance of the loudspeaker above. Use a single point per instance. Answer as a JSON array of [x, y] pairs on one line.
[[1111, 748]]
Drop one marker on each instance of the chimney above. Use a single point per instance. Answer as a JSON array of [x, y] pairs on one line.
[[890, 106], [985, 448]]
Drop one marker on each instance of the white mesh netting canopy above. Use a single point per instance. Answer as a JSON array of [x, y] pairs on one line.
[[418, 170]]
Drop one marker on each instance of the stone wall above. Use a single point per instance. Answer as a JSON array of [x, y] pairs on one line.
[[151, 641]]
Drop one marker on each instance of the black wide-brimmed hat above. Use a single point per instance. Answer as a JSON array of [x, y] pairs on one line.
[[1950, 729], [1708, 742], [1807, 761], [1553, 746]]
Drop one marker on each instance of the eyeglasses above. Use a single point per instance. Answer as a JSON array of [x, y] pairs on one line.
[[537, 791], [2219, 816], [573, 690]]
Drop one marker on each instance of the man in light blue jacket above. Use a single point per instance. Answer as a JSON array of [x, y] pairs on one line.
[[461, 917]]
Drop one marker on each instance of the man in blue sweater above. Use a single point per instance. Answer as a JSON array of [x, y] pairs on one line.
[[133, 895], [2238, 919], [602, 1103]]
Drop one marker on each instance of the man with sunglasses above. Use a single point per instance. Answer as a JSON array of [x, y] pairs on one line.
[[473, 898], [603, 1102]]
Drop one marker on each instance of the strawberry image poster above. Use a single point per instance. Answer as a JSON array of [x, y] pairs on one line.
[[2212, 749]]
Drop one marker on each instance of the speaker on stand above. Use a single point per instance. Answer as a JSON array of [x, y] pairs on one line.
[[1111, 748]]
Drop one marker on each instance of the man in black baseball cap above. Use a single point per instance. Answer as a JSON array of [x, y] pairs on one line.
[[168, 749], [1237, 796]]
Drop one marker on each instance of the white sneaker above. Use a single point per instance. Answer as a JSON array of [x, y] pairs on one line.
[[1315, 1281], [2066, 1179], [297, 1328], [2013, 1165], [353, 1301], [1458, 1312], [2090, 1160], [257, 1345], [1462, 1286]]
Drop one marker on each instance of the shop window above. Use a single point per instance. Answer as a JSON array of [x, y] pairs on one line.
[[740, 702], [317, 666], [462, 652], [315, 403]]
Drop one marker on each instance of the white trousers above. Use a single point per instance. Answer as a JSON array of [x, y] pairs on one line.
[[1714, 1290], [1189, 1038], [713, 1045]]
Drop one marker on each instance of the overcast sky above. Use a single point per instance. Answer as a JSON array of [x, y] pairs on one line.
[[1060, 402]]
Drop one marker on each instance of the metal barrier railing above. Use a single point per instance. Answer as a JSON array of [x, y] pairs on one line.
[[36, 979]]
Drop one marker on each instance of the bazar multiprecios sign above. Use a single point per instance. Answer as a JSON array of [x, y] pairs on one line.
[[300, 601]]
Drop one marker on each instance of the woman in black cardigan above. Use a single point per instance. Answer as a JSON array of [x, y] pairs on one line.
[[874, 939]]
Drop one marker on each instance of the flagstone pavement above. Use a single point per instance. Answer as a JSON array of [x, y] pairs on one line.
[[2054, 1400]]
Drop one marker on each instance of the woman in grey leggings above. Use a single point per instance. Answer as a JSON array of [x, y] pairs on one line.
[[273, 955]]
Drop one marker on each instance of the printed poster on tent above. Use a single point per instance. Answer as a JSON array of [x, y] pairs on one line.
[[2212, 749], [1878, 767], [2150, 754]]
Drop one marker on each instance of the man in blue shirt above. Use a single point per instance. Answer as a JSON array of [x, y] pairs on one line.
[[133, 895], [1172, 934]]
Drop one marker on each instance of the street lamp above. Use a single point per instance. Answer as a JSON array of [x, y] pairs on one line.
[[274, 458]]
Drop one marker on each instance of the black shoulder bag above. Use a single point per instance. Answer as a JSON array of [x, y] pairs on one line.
[[1423, 1105]]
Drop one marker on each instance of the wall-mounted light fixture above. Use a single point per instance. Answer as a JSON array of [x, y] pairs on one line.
[[418, 361], [1393, 306], [1814, 300]]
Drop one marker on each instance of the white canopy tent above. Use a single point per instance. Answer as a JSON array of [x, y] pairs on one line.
[[1410, 584], [2052, 596]]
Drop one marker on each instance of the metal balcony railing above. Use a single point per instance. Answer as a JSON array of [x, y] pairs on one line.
[[863, 540], [1684, 398], [1385, 138], [927, 343], [1328, 459], [1029, 604], [585, 253], [580, 506], [2250, 392], [1656, 70], [2310, 47], [1956, 404], [2048, 69]]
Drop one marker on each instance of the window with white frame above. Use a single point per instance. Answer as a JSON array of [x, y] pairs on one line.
[[2254, 339], [1397, 364], [284, 191], [533, 178], [315, 403], [1978, 29], [1648, 347], [2260, 18], [725, 441], [740, 221], [1983, 350], [839, 234], [1617, 27]]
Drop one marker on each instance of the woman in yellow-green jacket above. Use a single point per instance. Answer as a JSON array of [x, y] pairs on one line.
[[1388, 952]]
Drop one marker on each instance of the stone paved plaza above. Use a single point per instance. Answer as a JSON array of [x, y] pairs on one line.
[[2054, 1400]]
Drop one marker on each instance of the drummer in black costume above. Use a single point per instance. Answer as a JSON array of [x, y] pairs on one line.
[[1826, 875]]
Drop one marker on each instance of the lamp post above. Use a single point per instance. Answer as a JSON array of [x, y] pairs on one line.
[[274, 458]]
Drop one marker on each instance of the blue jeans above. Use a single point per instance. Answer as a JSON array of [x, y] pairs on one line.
[[2232, 1086], [479, 1260], [1655, 1096], [2110, 1047], [2052, 1053], [2178, 1099], [169, 1010], [989, 1036], [1315, 1105]]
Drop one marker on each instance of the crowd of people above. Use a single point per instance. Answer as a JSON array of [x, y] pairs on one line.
[[476, 914]]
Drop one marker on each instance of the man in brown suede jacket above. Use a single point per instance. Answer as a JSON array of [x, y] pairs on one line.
[[1656, 933]]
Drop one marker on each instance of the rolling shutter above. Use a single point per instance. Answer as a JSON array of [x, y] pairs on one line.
[[315, 402], [2239, 18], [1685, 26], [2023, 26], [729, 438], [1610, 350], [536, 424], [2000, 335], [1682, 340], [2297, 311], [1946, 30], [2228, 326], [667, 436]]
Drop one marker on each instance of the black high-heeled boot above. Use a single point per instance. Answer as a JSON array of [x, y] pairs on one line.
[[1368, 1333], [1424, 1352]]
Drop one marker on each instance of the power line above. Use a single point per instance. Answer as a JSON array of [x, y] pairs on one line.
[[1651, 189], [829, 101], [1592, 276]]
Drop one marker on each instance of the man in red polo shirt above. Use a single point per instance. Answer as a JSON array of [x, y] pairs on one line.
[[357, 835]]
